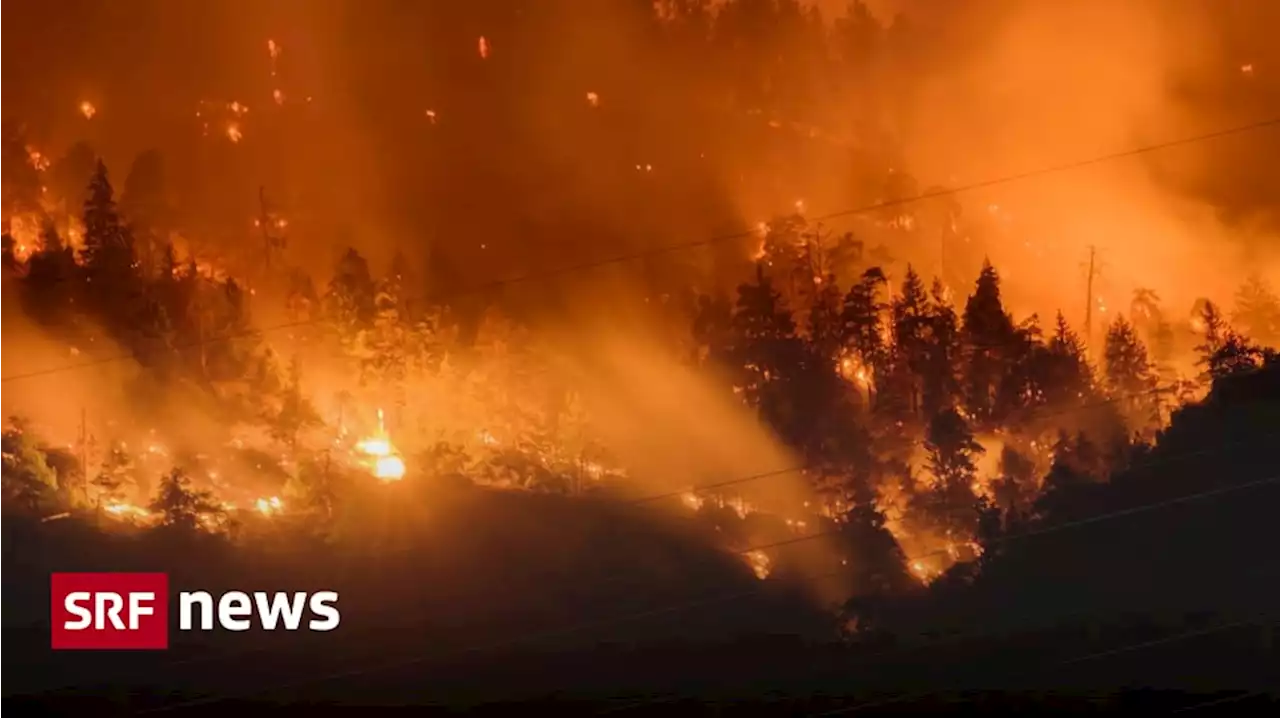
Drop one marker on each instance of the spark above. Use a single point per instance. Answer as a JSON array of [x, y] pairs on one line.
[[237, 108], [1247, 68], [273, 49], [278, 96], [431, 116], [593, 99], [88, 110], [484, 48], [37, 159], [233, 132]]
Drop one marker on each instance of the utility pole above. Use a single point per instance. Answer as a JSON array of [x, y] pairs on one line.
[[1088, 305]]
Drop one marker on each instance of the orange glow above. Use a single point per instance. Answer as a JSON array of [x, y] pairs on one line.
[[88, 110]]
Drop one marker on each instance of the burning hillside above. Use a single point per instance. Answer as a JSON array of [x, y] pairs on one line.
[[241, 326]]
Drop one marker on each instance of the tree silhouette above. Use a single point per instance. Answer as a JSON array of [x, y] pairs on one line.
[[182, 507], [1257, 310], [988, 333]]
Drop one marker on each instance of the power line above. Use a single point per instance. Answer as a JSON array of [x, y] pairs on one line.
[[697, 603], [716, 239]]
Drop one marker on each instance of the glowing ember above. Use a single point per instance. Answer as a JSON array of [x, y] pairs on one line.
[[431, 116], [760, 564], [269, 506], [484, 48], [88, 110], [278, 96], [273, 49], [233, 132], [593, 99]]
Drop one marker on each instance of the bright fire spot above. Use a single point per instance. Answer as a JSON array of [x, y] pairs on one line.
[[237, 108], [126, 511], [233, 132], [37, 159], [484, 48], [387, 465], [800, 206], [269, 506], [88, 110], [273, 49], [389, 468], [278, 96], [1247, 68], [759, 564], [593, 99], [691, 500], [431, 116]]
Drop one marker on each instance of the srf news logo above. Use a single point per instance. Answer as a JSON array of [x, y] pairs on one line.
[[130, 611]]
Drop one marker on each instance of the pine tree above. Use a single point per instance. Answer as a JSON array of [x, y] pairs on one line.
[[825, 328], [1214, 331], [765, 343], [108, 249], [1064, 374], [988, 336], [942, 353], [350, 301], [910, 315], [296, 412], [952, 453], [183, 507], [1257, 310], [1130, 375], [51, 274], [862, 316]]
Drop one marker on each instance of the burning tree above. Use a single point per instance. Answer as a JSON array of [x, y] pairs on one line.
[[180, 506]]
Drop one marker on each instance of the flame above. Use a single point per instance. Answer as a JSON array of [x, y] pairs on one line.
[[37, 159], [273, 49], [269, 506], [759, 563], [593, 99], [88, 110], [387, 465], [126, 511], [233, 132], [237, 108], [484, 48], [278, 96], [431, 116]]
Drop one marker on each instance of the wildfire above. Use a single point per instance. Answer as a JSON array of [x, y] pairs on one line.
[[269, 506], [126, 512], [759, 563], [387, 464], [88, 110], [37, 159]]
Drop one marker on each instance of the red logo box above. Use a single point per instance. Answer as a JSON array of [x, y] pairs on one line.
[[109, 611]]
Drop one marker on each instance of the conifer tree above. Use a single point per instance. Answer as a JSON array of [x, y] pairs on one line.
[[910, 315], [863, 321], [1257, 311], [988, 334]]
